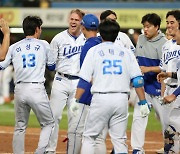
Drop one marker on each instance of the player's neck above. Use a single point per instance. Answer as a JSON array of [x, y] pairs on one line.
[[91, 34], [76, 34], [32, 36]]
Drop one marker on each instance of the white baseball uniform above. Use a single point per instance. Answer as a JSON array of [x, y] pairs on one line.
[[170, 61], [29, 58], [108, 65], [67, 49]]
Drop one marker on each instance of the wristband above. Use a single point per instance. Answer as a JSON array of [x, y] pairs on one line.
[[142, 102], [174, 75]]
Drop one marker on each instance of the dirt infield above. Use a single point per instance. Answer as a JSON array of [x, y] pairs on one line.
[[152, 143]]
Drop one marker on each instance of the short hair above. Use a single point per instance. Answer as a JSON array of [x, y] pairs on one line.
[[79, 12], [175, 13], [30, 23], [152, 18], [109, 30], [106, 13]]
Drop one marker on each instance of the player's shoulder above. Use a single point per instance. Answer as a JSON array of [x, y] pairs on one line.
[[44, 42], [169, 43], [61, 35], [123, 36], [16, 44], [141, 37]]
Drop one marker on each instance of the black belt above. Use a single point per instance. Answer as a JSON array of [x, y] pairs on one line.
[[70, 77], [173, 86], [28, 82], [112, 92]]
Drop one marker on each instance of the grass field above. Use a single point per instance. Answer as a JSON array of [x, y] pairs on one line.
[[7, 118]]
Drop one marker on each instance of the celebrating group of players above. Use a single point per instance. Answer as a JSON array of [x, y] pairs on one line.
[[96, 66]]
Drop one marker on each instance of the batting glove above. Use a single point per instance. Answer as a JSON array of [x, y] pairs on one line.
[[74, 107], [144, 108]]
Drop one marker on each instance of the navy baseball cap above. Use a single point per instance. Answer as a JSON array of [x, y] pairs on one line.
[[90, 21]]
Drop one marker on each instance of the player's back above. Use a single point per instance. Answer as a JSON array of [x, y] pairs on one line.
[[29, 58], [114, 67]]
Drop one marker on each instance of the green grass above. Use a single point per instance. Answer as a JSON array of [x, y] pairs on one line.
[[7, 119]]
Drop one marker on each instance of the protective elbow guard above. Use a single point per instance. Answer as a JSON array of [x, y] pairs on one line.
[[138, 82]]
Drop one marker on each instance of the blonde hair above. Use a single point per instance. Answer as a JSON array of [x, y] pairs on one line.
[[79, 12]]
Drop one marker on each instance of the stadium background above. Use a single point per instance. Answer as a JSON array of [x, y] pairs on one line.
[[54, 14]]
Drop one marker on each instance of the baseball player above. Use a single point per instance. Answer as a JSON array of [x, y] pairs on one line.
[[89, 28], [169, 62], [67, 45], [30, 57], [148, 53], [122, 38], [107, 65], [5, 38]]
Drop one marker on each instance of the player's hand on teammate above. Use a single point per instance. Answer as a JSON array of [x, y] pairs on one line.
[[162, 76], [168, 99], [144, 108], [74, 107]]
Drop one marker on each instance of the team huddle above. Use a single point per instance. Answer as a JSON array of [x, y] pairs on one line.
[[96, 67]]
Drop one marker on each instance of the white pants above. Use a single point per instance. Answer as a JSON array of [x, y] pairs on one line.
[[31, 96], [139, 124], [63, 91], [107, 109]]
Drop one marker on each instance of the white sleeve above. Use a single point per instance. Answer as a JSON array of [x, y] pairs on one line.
[[134, 69], [87, 68], [49, 54]]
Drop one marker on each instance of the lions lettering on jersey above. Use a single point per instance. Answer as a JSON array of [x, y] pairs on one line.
[[70, 51], [171, 55]]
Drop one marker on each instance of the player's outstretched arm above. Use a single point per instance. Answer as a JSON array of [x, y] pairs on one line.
[[145, 69], [6, 40]]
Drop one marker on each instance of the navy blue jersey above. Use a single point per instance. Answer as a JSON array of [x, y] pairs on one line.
[[86, 97], [149, 53]]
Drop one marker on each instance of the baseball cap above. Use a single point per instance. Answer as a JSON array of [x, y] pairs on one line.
[[90, 21]]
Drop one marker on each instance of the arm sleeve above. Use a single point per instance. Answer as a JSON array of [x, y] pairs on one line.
[[177, 91], [87, 66], [84, 51], [82, 83]]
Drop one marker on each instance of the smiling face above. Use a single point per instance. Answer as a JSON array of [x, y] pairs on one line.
[[74, 24], [172, 25], [150, 31]]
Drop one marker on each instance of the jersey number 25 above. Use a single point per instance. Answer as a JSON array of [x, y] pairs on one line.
[[112, 67]]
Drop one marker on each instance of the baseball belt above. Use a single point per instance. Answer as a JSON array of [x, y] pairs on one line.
[[70, 77]]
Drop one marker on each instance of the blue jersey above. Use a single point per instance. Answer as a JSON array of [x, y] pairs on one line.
[[86, 97], [149, 53]]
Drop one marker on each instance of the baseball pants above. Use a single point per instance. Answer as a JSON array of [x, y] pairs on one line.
[[31, 96]]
